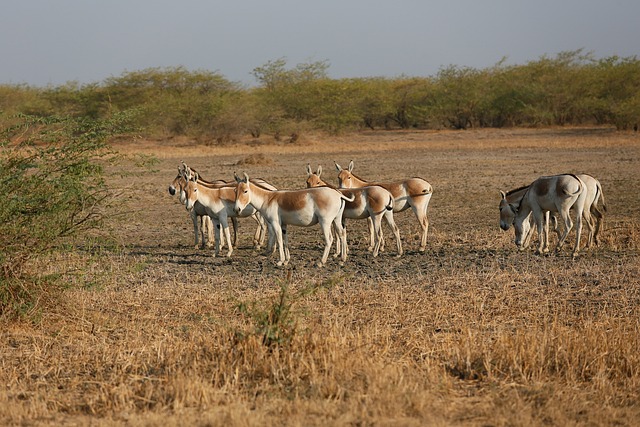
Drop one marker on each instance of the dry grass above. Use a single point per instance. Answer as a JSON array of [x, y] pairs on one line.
[[470, 333]]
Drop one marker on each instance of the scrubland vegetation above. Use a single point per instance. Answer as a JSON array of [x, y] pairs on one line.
[[571, 88], [110, 316]]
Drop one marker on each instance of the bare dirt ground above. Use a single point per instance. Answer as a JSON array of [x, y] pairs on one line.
[[466, 169], [471, 332]]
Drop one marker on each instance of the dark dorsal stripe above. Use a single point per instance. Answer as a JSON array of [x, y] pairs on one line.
[[510, 192]]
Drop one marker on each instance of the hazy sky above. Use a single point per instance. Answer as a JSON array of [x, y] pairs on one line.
[[55, 41]]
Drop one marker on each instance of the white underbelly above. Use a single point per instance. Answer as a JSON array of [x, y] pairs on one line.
[[303, 218]]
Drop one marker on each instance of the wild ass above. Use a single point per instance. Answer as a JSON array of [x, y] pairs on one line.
[[556, 193], [321, 205], [593, 203], [199, 213], [371, 203], [414, 193], [219, 205], [201, 222]]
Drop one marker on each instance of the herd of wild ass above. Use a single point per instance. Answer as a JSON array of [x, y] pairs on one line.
[[213, 204]]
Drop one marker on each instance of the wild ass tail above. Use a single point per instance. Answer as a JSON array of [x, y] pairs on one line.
[[601, 196], [343, 197], [390, 204], [581, 186]]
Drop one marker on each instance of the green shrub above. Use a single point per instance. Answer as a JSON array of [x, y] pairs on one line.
[[51, 173]]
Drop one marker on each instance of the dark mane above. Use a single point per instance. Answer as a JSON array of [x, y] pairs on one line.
[[510, 192], [357, 177], [325, 183]]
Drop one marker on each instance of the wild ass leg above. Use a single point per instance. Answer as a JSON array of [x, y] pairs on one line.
[[579, 215], [372, 236], [328, 239], [542, 237], [420, 210], [376, 221], [194, 218], [258, 236], [529, 235], [568, 224], [225, 228], [206, 231], [388, 216], [277, 233], [234, 221], [216, 229], [341, 234], [545, 249], [599, 217], [287, 255], [334, 231]]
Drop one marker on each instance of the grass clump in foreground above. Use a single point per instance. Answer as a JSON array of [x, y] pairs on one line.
[[409, 351]]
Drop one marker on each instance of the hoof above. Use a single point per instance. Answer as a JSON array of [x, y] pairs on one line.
[[319, 264]]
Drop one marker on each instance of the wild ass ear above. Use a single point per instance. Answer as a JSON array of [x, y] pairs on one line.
[[309, 173], [246, 177], [319, 171], [350, 165], [503, 194], [236, 177], [338, 167]]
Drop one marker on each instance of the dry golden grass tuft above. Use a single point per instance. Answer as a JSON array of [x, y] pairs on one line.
[[470, 333]]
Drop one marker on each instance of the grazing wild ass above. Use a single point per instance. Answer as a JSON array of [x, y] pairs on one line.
[[320, 205], [414, 193], [371, 203], [556, 193], [593, 203]]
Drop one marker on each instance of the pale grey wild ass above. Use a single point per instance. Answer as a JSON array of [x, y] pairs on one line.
[[371, 203], [414, 193], [320, 205], [556, 193], [594, 204]]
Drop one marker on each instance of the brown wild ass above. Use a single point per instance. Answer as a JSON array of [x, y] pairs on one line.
[[556, 193], [321, 205], [594, 204], [219, 205], [201, 222], [371, 203], [414, 193], [198, 210]]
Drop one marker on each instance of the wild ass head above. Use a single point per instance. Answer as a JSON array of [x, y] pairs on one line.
[[507, 212], [243, 192], [345, 177], [313, 178], [189, 188]]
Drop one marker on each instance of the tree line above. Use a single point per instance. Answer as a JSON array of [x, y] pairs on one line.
[[570, 88]]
